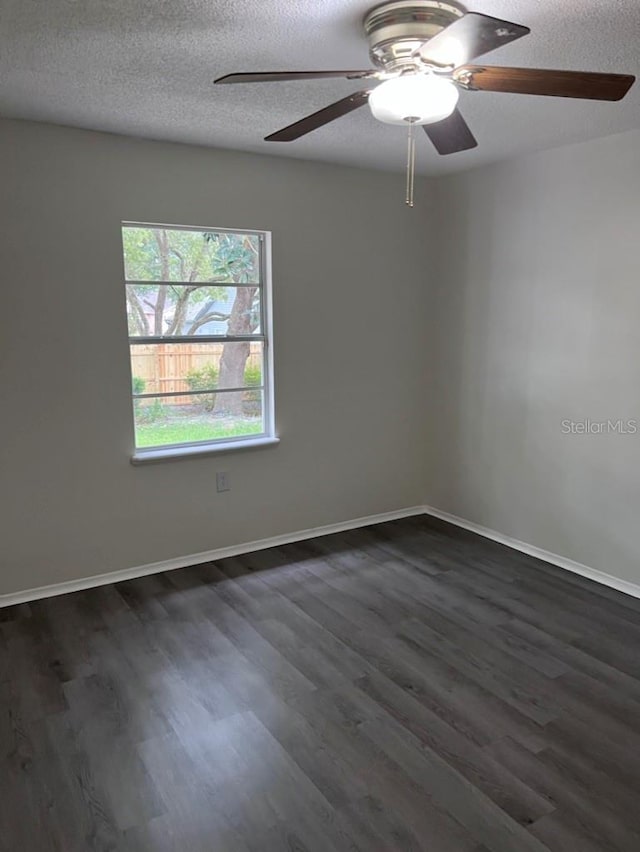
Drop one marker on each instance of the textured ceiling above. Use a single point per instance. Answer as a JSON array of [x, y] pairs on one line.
[[145, 68]]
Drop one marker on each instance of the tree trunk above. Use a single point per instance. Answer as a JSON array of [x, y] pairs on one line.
[[234, 355], [163, 247], [137, 314]]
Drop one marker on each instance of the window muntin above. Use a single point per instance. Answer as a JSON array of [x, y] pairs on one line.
[[196, 302]]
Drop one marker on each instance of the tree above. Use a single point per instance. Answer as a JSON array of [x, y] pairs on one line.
[[201, 264]]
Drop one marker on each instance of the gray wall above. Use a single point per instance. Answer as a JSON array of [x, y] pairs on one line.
[[349, 312], [506, 302], [538, 321]]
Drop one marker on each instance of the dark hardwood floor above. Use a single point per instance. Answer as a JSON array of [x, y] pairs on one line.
[[407, 686]]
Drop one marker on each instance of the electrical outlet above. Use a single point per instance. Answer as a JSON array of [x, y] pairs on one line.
[[222, 482]]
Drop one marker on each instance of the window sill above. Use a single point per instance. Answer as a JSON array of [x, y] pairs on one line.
[[173, 453]]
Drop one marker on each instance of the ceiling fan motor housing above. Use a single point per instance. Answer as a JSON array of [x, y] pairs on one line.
[[396, 30]]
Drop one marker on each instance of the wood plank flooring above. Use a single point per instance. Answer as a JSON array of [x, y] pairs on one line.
[[407, 686]]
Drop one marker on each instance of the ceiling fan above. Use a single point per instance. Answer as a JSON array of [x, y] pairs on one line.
[[421, 50]]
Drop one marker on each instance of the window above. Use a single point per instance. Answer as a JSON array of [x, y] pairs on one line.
[[197, 310]]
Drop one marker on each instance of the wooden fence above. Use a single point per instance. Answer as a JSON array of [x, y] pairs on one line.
[[163, 366]]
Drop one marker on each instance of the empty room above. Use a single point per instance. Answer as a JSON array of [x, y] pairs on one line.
[[320, 406]]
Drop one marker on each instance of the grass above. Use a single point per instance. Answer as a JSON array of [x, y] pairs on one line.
[[160, 434]]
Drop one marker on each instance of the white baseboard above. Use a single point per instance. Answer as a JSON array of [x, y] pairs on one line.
[[287, 538], [545, 555], [198, 558]]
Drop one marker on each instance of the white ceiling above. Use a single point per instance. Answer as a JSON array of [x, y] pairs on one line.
[[145, 68]]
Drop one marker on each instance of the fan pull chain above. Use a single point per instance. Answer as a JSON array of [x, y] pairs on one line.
[[411, 162]]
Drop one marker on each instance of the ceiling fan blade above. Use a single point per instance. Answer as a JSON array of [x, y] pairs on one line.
[[317, 119], [451, 135], [536, 81], [278, 76], [468, 37]]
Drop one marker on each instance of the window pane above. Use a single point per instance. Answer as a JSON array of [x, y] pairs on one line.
[[163, 254], [161, 310], [208, 417], [174, 367]]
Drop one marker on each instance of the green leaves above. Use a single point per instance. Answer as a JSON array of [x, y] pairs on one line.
[[190, 256]]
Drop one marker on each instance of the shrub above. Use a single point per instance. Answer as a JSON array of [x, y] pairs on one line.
[[150, 411], [206, 378], [146, 410], [253, 374], [138, 384], [203, 378], [251, 399]]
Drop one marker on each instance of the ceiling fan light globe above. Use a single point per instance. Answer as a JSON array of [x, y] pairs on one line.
[[420, 98]]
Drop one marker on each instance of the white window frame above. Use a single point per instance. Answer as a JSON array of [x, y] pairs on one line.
[[268, 436]]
